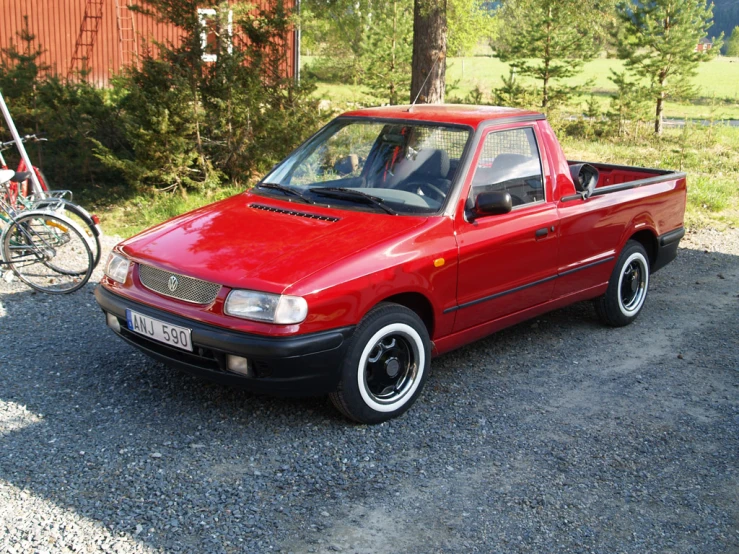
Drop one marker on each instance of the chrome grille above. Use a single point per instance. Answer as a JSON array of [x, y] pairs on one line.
[[293, 212], [187, 289]]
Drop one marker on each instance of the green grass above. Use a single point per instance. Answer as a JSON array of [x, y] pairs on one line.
[[717, 80], [128, 217], [711, 195], [709, 156]]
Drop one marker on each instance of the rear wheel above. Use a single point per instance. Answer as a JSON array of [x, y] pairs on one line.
[[386, 366], [627, 288], [48, 252]]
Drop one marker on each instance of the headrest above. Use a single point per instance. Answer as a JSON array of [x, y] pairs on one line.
[[503, 162], [436, 164]]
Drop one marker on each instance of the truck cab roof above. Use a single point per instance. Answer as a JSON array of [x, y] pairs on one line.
[[462, 114]]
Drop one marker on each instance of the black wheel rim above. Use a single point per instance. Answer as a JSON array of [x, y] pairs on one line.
[[391, 368], [633, 285]]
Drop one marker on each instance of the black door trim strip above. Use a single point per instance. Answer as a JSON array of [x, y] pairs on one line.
[[528, 285]]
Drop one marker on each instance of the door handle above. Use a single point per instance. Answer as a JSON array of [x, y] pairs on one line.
[[542, 232]]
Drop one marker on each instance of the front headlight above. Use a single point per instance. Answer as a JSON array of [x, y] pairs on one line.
[[262, 306], [117, 267]]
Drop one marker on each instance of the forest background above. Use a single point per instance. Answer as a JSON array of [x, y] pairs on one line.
[[179, 132]]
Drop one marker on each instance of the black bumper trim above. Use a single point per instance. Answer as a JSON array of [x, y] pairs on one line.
[[300, 365], [673, 236], [667, 248]]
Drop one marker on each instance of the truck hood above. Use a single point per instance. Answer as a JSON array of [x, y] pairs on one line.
[[254, 242]]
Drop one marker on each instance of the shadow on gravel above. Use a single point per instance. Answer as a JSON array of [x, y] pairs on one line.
[[552, 435]]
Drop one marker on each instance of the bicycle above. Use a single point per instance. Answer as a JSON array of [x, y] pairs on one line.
[[19, 196], [46, 250]]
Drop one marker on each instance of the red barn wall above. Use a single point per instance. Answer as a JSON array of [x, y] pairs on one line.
[[56, 24]]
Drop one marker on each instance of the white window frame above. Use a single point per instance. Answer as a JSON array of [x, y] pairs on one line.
[[204, 14]]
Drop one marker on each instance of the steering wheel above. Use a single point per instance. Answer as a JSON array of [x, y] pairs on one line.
[[427, 189]]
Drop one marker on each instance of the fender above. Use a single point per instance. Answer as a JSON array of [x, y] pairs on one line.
[[641, 223]]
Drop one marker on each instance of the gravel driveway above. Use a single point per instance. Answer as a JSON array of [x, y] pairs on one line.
[[557, 435]]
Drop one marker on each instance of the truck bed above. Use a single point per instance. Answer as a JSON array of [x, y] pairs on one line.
[[613, 178]]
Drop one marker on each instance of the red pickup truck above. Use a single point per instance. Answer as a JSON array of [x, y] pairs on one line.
[[392, 235]]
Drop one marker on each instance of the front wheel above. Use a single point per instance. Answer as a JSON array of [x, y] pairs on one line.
[[627, 288], [387, 363]]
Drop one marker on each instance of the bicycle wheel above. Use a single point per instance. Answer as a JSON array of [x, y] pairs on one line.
[[81, 217], [48, 252]]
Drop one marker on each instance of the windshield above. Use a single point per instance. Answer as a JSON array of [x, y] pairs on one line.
[[402, 168]]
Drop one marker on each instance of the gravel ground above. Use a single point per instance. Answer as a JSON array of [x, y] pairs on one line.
[[557, 435]]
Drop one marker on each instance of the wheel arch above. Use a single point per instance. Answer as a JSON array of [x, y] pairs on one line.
[[416, 302], [648, 239]]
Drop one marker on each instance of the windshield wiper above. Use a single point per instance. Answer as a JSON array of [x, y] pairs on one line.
[[352, 194], [287, 190]]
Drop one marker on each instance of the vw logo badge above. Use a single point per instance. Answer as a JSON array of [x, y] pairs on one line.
[[173, 283]]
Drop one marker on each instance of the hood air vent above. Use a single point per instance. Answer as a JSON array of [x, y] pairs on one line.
[[293, 212]]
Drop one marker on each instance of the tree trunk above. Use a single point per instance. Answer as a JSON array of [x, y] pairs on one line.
[[660, 105], [393, 92], [658, 115], [547, 60], [428, 78]]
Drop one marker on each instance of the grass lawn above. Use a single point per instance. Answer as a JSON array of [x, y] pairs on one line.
[[709, 156], [717, 80], [128, 217]]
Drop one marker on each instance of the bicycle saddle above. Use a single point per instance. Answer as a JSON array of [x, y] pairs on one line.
[[21, 176]]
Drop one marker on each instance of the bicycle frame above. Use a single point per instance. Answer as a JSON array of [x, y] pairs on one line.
[[38, 190], [19, 191]]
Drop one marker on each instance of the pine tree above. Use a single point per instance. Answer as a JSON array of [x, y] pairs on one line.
[[658, 40], [469, 22], [629, 106], [191, 123], [387, 59], [513, 93], [548, 40], [732, 45], [20, 70]]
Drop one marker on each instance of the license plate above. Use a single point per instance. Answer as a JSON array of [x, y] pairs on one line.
[[161, 331]]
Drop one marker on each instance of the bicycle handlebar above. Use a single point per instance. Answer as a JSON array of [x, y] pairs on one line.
[[33, 138]]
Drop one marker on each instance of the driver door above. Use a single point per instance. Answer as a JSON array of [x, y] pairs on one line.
[[507, 262]]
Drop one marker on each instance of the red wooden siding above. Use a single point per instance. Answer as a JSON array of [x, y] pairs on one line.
[[56, 24]]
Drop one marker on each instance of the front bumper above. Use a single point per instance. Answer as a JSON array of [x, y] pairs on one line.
[[301, 365]]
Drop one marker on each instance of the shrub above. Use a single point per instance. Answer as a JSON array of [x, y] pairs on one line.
[[176, 123], [191, 124], [68, 114]]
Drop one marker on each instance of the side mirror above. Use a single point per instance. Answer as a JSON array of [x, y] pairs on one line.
[[492, 203], [585, 177]]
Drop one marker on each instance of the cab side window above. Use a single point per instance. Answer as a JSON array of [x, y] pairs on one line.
[[510, 162]]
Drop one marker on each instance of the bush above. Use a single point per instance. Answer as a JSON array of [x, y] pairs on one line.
[[177, 123], [67, 114]]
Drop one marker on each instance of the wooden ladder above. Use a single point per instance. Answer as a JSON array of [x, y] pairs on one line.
[[87, 35], [128, 44]]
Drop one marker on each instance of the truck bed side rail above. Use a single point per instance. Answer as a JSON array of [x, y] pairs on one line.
[[648, 176]]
